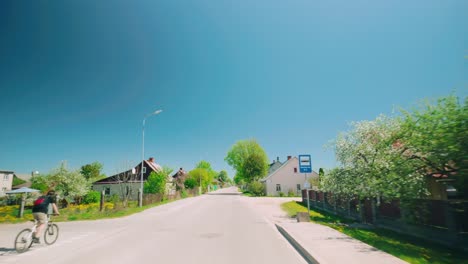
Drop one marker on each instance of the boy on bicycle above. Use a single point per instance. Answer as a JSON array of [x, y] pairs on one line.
[[40, 210]]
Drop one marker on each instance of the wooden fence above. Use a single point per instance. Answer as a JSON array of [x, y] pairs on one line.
[[443, 221]]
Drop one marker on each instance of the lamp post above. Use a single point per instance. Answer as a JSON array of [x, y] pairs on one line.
[[140, 202]]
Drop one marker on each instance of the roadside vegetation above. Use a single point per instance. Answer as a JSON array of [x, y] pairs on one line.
[[77, 200], [404, 247], [8, 214]]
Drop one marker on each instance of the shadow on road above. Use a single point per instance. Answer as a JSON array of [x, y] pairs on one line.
[[6, 251], [224, 193]]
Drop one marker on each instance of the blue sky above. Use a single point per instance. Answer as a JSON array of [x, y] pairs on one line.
[[77, 77]]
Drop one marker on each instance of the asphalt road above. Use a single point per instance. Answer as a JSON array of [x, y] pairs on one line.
[[216, 228]]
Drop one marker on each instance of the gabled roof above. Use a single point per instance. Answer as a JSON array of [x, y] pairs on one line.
[[284, 164], [116, 178]]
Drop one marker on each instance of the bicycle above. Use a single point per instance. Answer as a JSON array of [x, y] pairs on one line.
[[24, 239]]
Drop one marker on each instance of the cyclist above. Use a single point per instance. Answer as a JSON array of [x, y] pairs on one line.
[[40, 211]]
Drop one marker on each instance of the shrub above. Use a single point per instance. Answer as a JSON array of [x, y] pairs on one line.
[[281, 194], [291, 193], [257, 188], [114, 198], [156, 183], [190, 183], [92, 197]]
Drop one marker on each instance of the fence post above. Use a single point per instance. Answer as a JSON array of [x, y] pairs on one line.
[[374, 211], [101, 202]]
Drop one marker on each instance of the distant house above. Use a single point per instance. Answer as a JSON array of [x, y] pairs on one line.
[[274, 165], [178, 179], [286, 177], [24, 177], [6, 181], [127, 182]]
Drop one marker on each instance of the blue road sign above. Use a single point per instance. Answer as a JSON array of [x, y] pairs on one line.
[[305, 164]]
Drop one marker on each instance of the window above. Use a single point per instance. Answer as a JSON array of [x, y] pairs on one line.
[[295, 170], [278, 187], [107, 191], [5, 177], [298, 187], [4, 189]]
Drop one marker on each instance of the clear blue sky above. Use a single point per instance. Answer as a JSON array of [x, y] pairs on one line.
[[77, 77]]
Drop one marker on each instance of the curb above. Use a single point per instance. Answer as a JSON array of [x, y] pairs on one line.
[[307, 257]]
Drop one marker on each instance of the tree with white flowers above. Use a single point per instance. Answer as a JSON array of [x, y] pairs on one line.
[[371, 165]]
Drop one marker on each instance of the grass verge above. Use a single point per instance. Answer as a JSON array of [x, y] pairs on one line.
[[81, 212], [404, 247]]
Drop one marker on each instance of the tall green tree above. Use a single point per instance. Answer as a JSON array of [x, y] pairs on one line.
[[248, 159], [206, 166], [436, 136], [223, 177], [255, 167], [92, 171], [201, 177]]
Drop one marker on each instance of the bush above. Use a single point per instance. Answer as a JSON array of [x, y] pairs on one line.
[[291, 193], [92, 197], [156, 183], [190, 183], [256, 188], [281, 194], [114, 198]]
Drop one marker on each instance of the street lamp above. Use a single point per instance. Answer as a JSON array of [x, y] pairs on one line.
[[143, 156]]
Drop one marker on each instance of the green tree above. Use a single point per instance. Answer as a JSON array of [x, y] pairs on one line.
[[92, 172], [223, 177], [255, 167], [17, 181], [436, 136], [190, 183], [201, 177], [156, 183], [207, 166], [242, 157], [39, 182]]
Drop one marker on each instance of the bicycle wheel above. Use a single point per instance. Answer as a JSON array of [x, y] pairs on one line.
[[23, 240], [51, 234]]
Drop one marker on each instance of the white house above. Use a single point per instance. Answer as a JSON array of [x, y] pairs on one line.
[[6, 181], [286, 178]]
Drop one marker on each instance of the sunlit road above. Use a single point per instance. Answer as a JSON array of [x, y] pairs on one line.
[[221, 228]]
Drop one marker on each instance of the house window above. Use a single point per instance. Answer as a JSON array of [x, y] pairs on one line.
[[107, 191], [298, 187], [4, 189], [278, 187], [295, 170], [5, 177]]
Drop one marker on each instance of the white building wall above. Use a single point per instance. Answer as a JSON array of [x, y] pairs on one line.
[[287, 179], [6, 181]]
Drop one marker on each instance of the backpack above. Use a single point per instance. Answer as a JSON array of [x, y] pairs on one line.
[[39, 201]]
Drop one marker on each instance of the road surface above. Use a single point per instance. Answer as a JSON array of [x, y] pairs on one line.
[[215, 228]]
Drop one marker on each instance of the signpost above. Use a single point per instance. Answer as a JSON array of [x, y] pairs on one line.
[[305, 166]]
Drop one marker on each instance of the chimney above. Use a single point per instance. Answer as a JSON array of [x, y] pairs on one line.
[[289, 157], [151, 160], [277, 159]]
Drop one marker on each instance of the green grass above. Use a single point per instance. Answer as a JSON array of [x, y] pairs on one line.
[[247, 193], [67, 214], [404, 247]]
